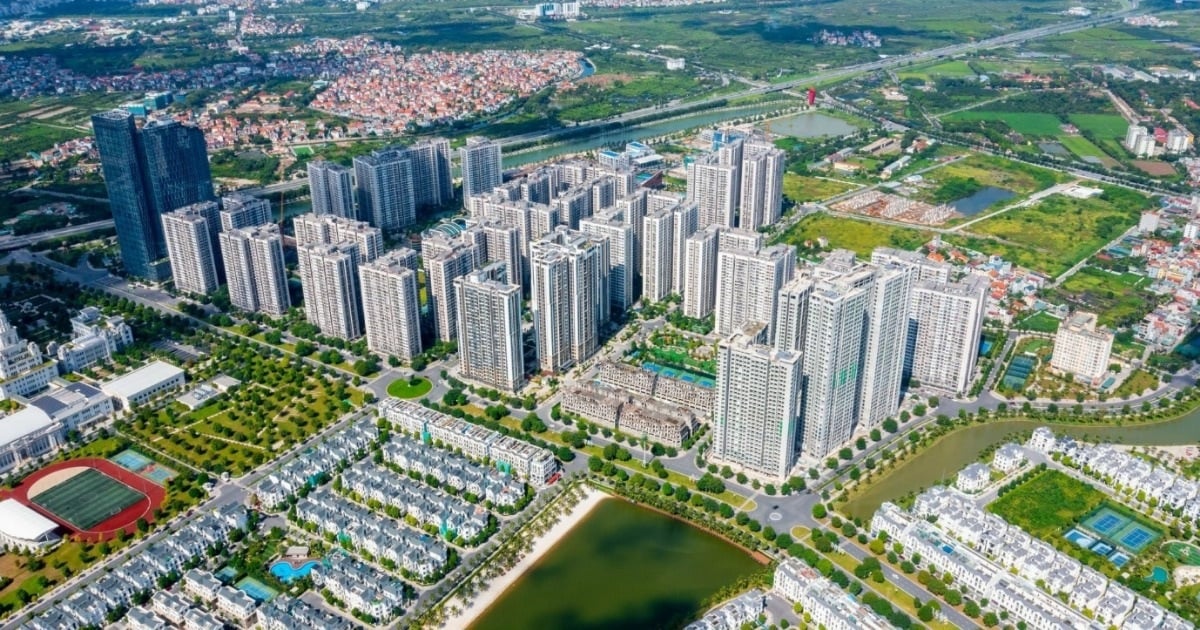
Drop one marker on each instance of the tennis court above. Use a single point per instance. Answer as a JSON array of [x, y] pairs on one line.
[[131, 460], [259, 591], [1106, 521], [1136, 537], [87, 499]]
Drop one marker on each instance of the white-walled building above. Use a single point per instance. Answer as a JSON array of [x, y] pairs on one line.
[[1082, 349], [255, 270], [490, 342], [391, 304], [756, 414]]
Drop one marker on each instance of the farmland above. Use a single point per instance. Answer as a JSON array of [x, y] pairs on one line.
[[802, 188], [1021, 179], [1118, 298], [1026, 123], [852, 234]]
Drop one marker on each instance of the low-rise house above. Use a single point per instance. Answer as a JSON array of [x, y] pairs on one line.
[[973, 478]]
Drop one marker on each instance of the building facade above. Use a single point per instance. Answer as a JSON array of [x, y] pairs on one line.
[[391, 307], [255, 269], [491, 345], [757, 407]]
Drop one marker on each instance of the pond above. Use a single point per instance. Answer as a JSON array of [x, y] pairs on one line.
[[984, 198], [623, 566], [945, 458], [810, 125]]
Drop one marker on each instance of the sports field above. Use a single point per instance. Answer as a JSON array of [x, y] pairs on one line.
[[87, 499], [1186, 553], [1122, 529]]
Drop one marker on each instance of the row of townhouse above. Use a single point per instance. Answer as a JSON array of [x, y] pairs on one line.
[[360, 586], [229, 602], [290, 613], [734, 614], [1108, 463], [381, 537], [1036, 561], [634, 415], [340, 447], [829, 606], [428, 506], [637, 380], [532, 464], [975, 575], [170, 610], [90, 605], [454, 471]]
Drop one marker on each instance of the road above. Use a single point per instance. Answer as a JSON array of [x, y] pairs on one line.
[[8, 243]]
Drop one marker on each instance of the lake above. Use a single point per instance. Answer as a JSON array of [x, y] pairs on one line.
[[810, 125], [984, 198], [954, 451], [623, 566]]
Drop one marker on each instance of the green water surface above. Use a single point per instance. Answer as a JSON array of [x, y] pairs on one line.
[[623, 567]]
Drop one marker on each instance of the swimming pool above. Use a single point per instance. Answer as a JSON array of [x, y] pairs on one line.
[[1160, 575], [286, 572]]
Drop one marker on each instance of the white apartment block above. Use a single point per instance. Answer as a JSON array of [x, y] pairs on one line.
[[715, 189], [1082, 349], [385, 188], [332, 189], [242, 210], [329, 279], [949, 323], [189, 232], [833, 342], [657, 256], [490, 342], [255, 270], [700, 274], [887, 339], [747, 287], [391, 306], [441, 269], [621, 257], [570, 296], [314, 229], [791, 312], [686, 222], [482, 166], [758, 394], [761, 201]]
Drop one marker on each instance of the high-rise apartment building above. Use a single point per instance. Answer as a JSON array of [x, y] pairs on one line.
[[658, 257], [1082, 349], [432, 185], [385, 189], [757, 407], [391, 307], [611, 225], [441, 269], [192, 247], [482, 167], [761, 201], [313, 229], [747, 287], [332, 189], [490, 343], [887, 343], [148, 172], [949, 322], [255, 270], [503, 245], [240, 210], [686, 222], [700, 285], [714, 186], [329, 280], [791, 312], [570, 296], [833, 346]]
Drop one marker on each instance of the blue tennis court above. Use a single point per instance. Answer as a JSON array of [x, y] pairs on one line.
[[131, 460], [1136, 537], [259, 591], [1105, 521]]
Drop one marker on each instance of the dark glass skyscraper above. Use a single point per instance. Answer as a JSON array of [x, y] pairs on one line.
[[149, 172]]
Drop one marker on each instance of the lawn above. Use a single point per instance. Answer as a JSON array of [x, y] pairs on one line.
[[1138, 382], [1025, 123], [802, 188], [1047, 505], [1102, 125], [853, 234], [1056, 233], [957, 69], [1083, 147], [1117, 298], [409, 388]]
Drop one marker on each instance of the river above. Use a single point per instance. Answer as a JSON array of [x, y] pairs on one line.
[[623, 566], [954, 451]]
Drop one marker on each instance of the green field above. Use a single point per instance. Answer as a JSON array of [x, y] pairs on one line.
[[955, 69], [1039, 322], [802, 188], [1136, 383], [1102, 125], [1047, 505], [1117, 298], [1184, 552], [1056, 233], [1021, 179], [1082, 147], [853, 234], [87, 499], [1026, 123], [406, 388]]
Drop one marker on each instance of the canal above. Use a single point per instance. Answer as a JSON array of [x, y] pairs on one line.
[[959, 448], [623, 566]]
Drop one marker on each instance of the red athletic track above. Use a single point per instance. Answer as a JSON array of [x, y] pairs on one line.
[[125, 519]]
